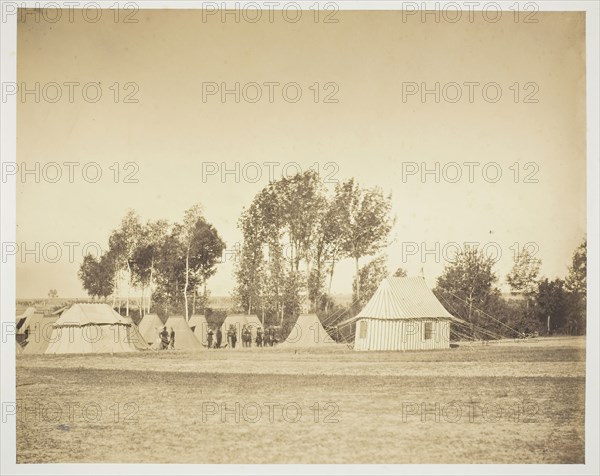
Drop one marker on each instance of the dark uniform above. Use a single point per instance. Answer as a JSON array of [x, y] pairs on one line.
[[164, 339], [246, 336], [172, 340], [232, 336]]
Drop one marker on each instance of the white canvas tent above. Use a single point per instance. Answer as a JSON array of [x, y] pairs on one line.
[[199, 326], [136, 337], [307, 332], [40, 330], [184, 337], [150, 326], [91, 328], [21, 320], [238, 321], [403, 314]]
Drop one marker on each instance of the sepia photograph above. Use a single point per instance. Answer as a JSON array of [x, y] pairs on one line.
[[299, 238]]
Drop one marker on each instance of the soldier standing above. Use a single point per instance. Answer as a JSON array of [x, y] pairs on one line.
[[210, 338], [164, 339], [219, 338], [172, 339]]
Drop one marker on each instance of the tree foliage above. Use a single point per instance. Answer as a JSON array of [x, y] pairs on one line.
[[365, 218], [524, 275], [97, 276], [295, 234], [576, 286], [168, 262], [552, 305], [467, 287], [370, 277]]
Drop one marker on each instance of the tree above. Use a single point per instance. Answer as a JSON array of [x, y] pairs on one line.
[[145, 256], [576, 286], [293, 287], [400, 273], [202, 247], [249, 274], [365, 221], [281, 229], [206, 251], [249, 258], [524, 276], [53, 293], [88, 272], [97, 275], [576, 280], [327, 251], [296, 221], [122, 245], [370, 277], [299, 201], [467, 285], [551, 304], [170, 270], [186, 235], [332, 236]]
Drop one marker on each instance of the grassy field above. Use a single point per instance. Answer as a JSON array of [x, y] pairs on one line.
[[508, 402]]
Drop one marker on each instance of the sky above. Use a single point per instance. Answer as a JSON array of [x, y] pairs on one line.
[[154, 154]]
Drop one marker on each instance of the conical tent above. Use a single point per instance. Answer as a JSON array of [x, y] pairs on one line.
[[21, 319], [40, 334], [136, 337], [90, 328], [307, 332], [184, 337], [238, 321], [150, 326], [199, 326]]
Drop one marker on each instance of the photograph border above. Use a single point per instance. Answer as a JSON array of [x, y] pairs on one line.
[[8, 62]]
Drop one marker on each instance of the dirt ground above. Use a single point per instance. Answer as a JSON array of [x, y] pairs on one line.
[[506, 402]]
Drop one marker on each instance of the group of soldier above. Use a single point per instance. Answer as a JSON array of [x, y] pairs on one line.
[[167, 338], [268, 338]]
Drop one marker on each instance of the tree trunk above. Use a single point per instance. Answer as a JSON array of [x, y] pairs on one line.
[[150, 287], [330, 284], [128, 288], [187, 280], [317, 286], [331, 276], [194, 302], [115, 282], [470, 315], [357, 280]]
